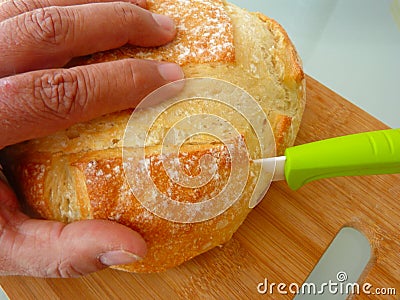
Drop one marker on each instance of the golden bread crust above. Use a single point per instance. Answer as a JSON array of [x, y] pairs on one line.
[[77, 173], [204, 35]]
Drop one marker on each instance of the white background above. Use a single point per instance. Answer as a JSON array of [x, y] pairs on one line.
[[351, 46]]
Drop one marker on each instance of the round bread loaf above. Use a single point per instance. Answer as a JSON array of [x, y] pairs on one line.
[[78, 173]]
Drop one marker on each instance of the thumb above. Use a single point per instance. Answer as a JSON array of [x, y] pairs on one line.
[[52, 249]]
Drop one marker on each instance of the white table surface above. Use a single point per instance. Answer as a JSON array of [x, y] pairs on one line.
[[350, 46]]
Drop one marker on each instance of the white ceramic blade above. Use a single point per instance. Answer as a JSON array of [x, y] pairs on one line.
[[276, 165]]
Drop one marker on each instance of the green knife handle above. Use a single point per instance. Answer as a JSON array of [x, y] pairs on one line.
[[369, 153]]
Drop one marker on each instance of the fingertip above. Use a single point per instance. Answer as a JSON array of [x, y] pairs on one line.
[[126, 247], [165, 22], [99, 244], [112, 236], [170, 71]]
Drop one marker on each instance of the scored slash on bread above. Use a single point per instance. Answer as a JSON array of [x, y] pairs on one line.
[[78, 173]]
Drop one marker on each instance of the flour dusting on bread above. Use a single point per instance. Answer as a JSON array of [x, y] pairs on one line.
[[204, 34]]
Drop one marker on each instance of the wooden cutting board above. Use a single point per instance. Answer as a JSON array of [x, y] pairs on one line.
[[282, 239]]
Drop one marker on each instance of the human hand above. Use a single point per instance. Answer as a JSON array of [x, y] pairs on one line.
[[38, 97]]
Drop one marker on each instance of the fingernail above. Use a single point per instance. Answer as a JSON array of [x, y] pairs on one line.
[[118, 257], [170, 71], [165, 22]]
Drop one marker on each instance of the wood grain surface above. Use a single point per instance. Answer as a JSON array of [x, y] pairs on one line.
[[282, 239]]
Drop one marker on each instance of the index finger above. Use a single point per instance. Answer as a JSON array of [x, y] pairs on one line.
[[12, 8], [49, 37]]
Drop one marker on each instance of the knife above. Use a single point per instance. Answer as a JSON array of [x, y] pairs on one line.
[[368, 153]]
